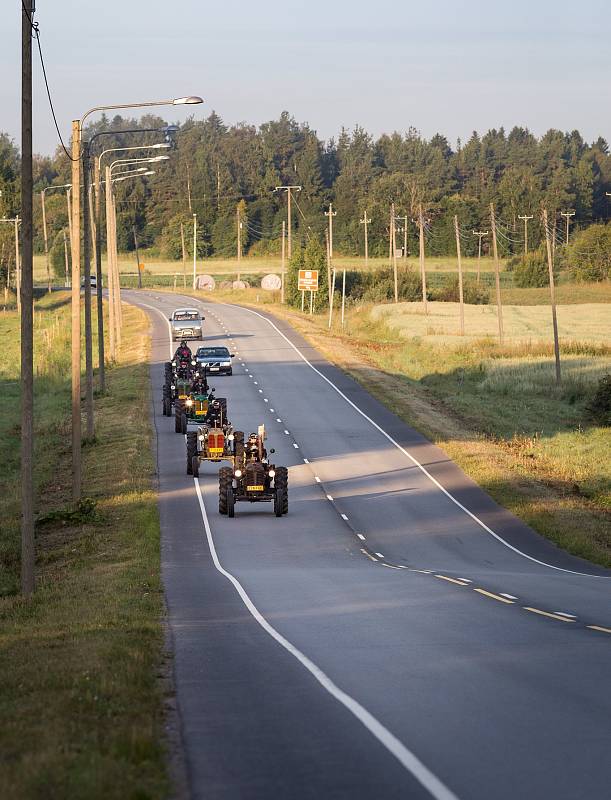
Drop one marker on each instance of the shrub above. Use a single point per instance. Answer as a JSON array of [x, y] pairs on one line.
[[599, 407], [379, 286], [531, 271], [473, 293], [589, 255]]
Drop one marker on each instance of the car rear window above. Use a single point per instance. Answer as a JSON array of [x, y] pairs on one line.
[[213, 352]]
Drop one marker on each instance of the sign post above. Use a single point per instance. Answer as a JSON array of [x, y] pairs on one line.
[[308, 282]]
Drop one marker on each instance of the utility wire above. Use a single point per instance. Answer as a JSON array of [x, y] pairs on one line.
[[36, 29]]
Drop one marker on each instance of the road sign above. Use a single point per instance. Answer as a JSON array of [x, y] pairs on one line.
[[308, 280], [141, 267]]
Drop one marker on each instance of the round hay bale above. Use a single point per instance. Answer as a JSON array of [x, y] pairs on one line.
[[226, 284], [240, 285], [271, 283], [206, 282]]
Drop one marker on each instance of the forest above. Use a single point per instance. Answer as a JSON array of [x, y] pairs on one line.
[[214, 169]]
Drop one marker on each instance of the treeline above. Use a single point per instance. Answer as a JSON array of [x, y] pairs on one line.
[[215, 167]]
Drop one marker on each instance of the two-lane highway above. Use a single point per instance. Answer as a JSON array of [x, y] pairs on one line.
[[397, 634]]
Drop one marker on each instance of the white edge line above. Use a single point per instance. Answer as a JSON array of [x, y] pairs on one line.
[[405, 757], [415, 461]]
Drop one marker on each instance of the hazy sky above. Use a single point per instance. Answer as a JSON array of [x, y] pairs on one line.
[[446, 66]]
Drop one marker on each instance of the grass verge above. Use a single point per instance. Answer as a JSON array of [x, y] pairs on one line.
[[495, 411], [80, 693]]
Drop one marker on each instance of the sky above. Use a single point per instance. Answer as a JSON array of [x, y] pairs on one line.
[[447, 66]]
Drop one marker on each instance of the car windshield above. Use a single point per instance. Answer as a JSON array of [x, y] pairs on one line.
[[186, 315], [213, 352]]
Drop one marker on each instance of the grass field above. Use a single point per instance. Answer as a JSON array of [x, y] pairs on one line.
[[587, 323], [261, 265], [80, 695], [496, 411]]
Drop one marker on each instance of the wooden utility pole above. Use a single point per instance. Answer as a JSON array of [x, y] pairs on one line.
[[66, 258], [184, 256], [328, 264], [69, 205], [525, 218], [404, 237], [460, 292], [27, 309], [218, 188], [393, 240], [46, 239], [480, 235], [330, 214], [87, 294], [98, 273], [343, 294], [289, 222], [550, 266], [421, 256], [115, 248], [110, 272], [283, 263], [76, 310], [366, 221], [497, 277], [567, 215]]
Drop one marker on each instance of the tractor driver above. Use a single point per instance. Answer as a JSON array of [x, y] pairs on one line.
[[199, 385], [252, 449], [183, 352]]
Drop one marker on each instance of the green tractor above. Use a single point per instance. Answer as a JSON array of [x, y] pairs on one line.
[[197, 408], [254, 479]]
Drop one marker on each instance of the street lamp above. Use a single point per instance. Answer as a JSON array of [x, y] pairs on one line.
[[114, 284], [77, 166]]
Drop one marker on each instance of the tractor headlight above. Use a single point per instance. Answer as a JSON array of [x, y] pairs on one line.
[[201, 437], [272, 473], [238, 473], [193, 363], [173, 363], [189, 402], [172, 386], [230, 437]]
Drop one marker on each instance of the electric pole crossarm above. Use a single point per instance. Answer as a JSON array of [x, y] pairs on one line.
[[289, 225]]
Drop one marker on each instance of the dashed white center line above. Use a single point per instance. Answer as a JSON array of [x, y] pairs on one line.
[[316, 478], [287, 433], [564, 614], [256, 384], [344, 517], [272, 410], [305, 461], [265, 400], [361, 537], [295, 445], [329, 497], [380, 555], [260, 390], [278, 420], [508, 596]]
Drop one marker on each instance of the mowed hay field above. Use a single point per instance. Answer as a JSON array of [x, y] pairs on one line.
[[588, 322]]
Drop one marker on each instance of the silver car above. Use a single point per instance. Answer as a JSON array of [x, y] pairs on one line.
[[186, 323]]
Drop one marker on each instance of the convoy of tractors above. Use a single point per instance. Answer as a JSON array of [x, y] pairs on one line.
[[246, 474]]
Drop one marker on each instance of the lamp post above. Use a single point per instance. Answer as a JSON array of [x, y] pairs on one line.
[[95, 213], [194, 250], [77, 155]]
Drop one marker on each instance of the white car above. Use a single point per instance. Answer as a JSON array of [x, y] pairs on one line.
[[186, 323]]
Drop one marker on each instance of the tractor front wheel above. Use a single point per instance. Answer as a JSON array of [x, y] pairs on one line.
[[281, 482], [191, 451]]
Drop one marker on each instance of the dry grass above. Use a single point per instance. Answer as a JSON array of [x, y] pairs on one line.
[[80, 697], [588, 323]]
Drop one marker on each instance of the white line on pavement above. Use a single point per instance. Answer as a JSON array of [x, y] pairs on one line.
[[404, 756]]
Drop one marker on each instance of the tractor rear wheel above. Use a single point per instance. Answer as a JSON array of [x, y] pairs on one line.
[[279, 503], [183, 423], [191, 451], [281, 482], [177, 415], [225, 480], [195, 466], [167, 407]]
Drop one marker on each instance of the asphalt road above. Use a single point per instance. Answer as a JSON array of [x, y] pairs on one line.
[[397, 635]]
